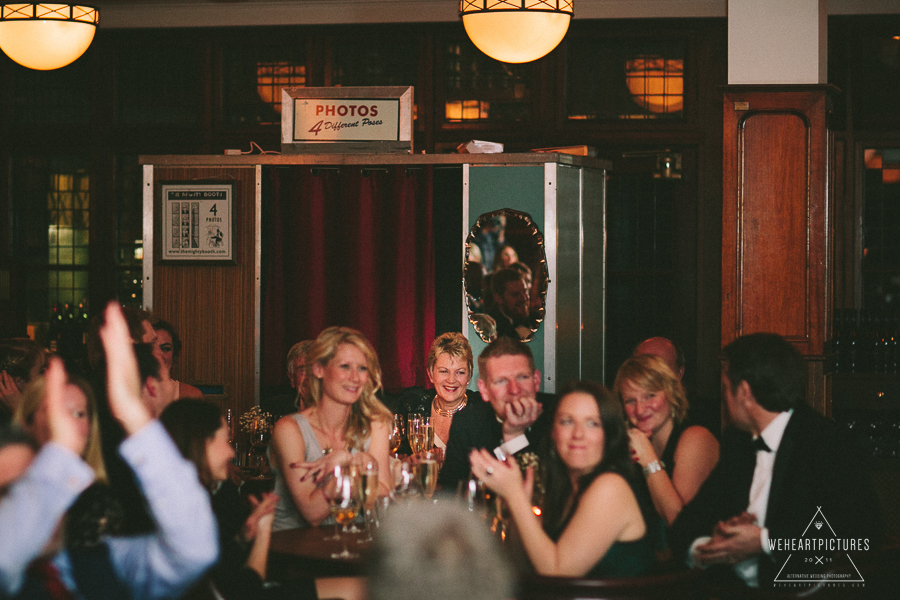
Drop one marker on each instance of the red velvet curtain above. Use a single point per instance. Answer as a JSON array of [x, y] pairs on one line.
[[349, 246]]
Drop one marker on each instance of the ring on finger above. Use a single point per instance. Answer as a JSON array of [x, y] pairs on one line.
[[489, 470]]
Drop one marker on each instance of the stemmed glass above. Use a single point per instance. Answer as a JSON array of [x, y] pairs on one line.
[[343, 497], [412, 432], [396, 439], [427, 474], [406, 485], [472, 492], [367, 468], [338, 470], [426, 431]]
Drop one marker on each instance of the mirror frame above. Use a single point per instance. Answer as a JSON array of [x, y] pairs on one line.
[[538, 238]]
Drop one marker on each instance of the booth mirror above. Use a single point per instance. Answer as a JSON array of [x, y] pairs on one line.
[[506, 275]]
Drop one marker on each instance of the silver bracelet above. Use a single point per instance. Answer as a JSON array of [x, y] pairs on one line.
[[652, 467]]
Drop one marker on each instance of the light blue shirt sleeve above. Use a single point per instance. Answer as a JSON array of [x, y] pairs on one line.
[[36, 503], [185, 545]]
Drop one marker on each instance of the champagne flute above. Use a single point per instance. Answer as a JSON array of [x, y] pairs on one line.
[[396, 439], [343, 497], [413, 423], [426, 429], [427, 473], [368, 490]]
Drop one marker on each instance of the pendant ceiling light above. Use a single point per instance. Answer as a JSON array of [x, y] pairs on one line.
[[516, 31], [46, 36]]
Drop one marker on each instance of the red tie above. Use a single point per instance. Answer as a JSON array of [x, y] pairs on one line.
[[46, 575]]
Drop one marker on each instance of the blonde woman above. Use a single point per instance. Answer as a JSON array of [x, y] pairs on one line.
[[676, 457], [343, 417], [449, 369], [79, 399]]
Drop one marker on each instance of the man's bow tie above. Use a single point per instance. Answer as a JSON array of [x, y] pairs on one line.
[[760, 445]]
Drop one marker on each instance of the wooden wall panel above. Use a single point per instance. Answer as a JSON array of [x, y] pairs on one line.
[[776, 219], [772, 204], [212, 306]]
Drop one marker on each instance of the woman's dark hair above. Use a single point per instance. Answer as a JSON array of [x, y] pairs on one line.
[[191, 423], [160, 325], [616, 457]]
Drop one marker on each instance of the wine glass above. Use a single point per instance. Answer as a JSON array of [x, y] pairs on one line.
[[406, 484], [473, 494], [426, 430], [396, 439], [367, 468], [427, 474], [416, 441], [343, 497], [338, 470]]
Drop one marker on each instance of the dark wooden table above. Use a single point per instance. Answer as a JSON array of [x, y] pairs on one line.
[[298, 553]]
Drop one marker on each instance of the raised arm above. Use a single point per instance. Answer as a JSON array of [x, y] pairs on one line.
[[185, 544], [607, 512], [695, 457], [123, 382], [35, 504]]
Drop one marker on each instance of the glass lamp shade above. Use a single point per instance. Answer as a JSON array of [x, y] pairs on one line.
[[46, 36], [516, 31]]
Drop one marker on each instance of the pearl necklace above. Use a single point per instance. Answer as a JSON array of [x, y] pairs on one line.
[[444, 412]]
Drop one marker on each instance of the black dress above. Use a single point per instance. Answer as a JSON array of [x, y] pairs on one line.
[[626, 559]]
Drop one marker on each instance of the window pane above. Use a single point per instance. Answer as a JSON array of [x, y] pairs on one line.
[[881, 229], [60, 96], [253, 78], [617, 79], [375, 61], [479, 88], [51, 203], [158, 84]]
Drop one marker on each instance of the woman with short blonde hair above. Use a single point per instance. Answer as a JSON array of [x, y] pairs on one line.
[[676, 457]]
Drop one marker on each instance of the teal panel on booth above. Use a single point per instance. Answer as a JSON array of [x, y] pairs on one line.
[[492, 187]]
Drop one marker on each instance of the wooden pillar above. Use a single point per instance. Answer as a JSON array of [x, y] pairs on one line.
[[776, 221]]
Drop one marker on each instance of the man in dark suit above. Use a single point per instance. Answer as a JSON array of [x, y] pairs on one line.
[[786, 468], [512, 302], [508, 421]]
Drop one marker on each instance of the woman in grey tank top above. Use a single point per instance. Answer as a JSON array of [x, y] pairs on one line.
[[343, 417]]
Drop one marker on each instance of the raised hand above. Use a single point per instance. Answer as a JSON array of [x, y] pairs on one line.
[[519, 415], [63, 423], [122, 379], [263, 506], [504, 477], [642, 451], [9, 391]]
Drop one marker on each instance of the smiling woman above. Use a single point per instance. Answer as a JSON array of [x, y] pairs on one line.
[[676, 458], [343, 418], [597, 521]]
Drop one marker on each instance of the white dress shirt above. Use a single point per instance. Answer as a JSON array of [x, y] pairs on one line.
[[759, 492], [758, 502]]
